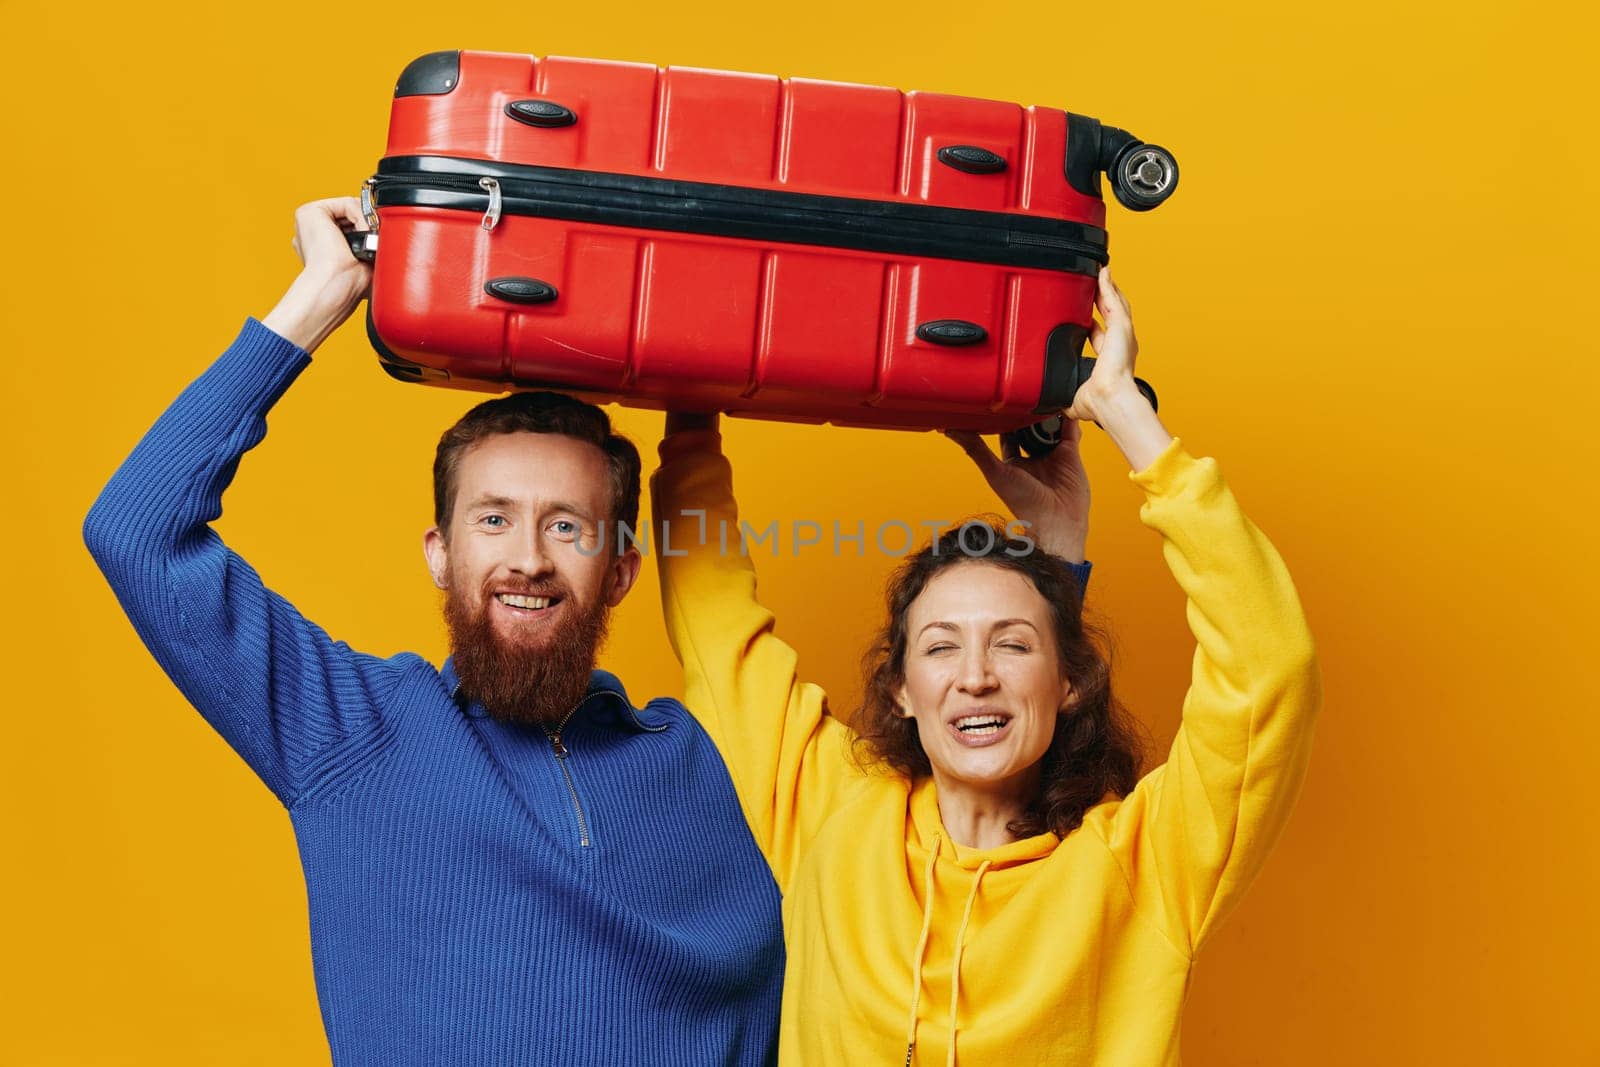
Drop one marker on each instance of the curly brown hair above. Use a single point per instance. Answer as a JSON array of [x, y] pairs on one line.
[[1096, 749]]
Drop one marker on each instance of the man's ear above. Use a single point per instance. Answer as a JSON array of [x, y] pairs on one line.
[[624, 569], [438, 555]]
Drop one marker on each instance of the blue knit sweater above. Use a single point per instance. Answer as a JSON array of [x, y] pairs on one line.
[[474, 898]]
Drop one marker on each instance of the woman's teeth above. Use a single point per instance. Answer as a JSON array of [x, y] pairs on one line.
[[981, 724]]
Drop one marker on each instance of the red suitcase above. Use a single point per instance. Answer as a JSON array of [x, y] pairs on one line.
[[709, 240]]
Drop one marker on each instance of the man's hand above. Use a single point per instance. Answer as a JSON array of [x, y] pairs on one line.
[[332, 283], [1049, 493]]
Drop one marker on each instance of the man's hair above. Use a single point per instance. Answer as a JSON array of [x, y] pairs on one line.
[[538, 413]]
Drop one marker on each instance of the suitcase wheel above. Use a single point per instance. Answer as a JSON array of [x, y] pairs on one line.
[[1039, 439], [1143, 176]]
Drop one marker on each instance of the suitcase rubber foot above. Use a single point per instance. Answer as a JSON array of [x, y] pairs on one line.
[[971, 159], [545, 114], [955, 332]]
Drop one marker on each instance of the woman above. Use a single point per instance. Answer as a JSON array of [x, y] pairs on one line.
[[995, 884]]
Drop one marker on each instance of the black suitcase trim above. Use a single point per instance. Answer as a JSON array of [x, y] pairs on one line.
[[994, 237], [434, 74], [398, 367]]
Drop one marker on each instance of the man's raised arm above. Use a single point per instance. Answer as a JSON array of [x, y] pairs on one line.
[[289, 700]]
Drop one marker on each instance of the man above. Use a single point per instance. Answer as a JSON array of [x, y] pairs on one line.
[[506, 861]]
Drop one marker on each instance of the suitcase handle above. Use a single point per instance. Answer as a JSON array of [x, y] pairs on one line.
[[1086, 368], [1041, 438], [363, 244]]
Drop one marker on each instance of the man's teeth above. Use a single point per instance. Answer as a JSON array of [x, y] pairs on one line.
[[981, 724], [514, 601]]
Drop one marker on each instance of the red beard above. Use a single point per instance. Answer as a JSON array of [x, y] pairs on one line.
[[519, 682]]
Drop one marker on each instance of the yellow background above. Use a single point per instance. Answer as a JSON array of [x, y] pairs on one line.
[[1372, 298]]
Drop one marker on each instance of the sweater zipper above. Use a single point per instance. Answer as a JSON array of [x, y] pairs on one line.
[[897, 228], [561, 758], [572, 789]]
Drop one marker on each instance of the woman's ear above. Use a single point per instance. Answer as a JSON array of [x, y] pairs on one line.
[[902, 703], [1069, 698]]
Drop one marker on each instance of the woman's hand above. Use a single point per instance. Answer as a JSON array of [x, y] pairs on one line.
[[1115, 348], [333, 281], [1110, 397], [1050, 493]]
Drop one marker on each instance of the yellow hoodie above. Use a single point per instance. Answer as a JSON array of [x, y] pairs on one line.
[[905, 947]]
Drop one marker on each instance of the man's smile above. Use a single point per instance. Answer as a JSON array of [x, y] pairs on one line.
[[526, 603], [525, 610]]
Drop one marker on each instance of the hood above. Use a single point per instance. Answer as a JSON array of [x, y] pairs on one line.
[[925, 829], [924, 824]]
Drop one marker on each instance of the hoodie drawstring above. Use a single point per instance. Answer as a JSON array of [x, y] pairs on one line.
[[922, 947], [955, 968]]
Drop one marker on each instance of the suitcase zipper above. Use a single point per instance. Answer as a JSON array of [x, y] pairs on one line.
[[491, 189]]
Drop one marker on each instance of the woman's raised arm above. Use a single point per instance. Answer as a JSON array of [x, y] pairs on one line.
[[788, 757], [1195, 831]]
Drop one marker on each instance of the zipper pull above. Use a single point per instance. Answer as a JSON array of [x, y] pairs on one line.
[[555, 743], [369, 208], [491, 218]]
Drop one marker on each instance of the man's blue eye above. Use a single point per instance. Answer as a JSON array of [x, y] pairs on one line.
[[494, 520]]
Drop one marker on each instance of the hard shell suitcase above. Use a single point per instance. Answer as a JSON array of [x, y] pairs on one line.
[[709, 240]]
